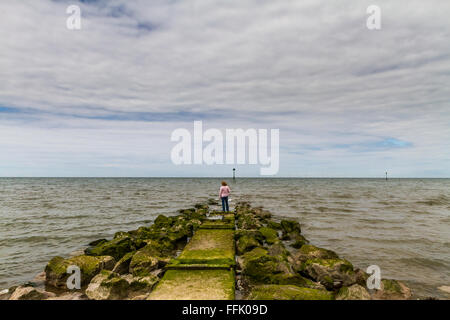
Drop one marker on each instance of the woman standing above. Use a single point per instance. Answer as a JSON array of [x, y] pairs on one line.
[[224, 192]]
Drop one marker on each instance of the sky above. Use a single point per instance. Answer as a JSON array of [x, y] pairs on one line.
[[105, 99]]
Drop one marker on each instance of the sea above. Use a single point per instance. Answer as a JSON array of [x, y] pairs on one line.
[[400, 225]]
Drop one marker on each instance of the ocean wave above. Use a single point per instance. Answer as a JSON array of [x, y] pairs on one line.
[[436, 264], [436, 201]]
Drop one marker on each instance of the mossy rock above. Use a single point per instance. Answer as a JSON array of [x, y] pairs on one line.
[[392, 290], [270, 235], [308, 251], [261, 213], [289, 226], [116, 248], [142, 285], [245, 244], [250, 233], [107, 285], [332, 273], [248, 222], [121, 234], [163, 221], [294, 279], [288, 292], [260, 267], [97, 242], [123, 265], [299, 240], [148, 259], [192, 214], [29, 293], [354, 292], [56, 270], [274, 225], [278, 249]]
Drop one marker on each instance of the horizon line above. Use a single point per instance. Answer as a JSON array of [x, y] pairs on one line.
[[211, 177]]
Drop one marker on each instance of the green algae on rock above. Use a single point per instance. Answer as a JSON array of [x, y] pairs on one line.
[[123, 265], [149, 258], [270, 235], [288, 292], [209, 246], [107, 285], [392, 290], [115, 248], [354, 292], [209, 284], [56, 270]]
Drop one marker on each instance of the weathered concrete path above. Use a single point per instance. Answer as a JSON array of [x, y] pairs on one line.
[[205, 268]]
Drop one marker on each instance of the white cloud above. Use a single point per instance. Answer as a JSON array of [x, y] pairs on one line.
[[310, 68]]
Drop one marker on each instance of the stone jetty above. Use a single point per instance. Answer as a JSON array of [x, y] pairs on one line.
[[203, 254]]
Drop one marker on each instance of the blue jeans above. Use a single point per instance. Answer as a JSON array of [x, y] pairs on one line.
[[225, 204]]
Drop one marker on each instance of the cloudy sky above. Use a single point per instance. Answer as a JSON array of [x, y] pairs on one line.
[[104, 100]]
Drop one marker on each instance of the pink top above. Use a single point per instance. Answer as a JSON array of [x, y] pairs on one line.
[[224, 191]]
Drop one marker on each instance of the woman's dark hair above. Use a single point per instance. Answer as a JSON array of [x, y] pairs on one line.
[[224, 183]]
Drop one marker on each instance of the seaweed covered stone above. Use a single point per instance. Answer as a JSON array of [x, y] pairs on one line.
[[123, 265], [392, 290], [56, 270], [354, 292], [270, 235], [259, 267], [290, 226], [149, 258], [288, 292], [116, 248], [247, 240], [107, 285], [332, 273]]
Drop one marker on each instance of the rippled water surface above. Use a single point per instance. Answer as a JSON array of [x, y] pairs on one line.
[[401, 225]]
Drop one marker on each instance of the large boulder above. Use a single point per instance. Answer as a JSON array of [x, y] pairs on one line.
[[290, 226], [309, 252], [392, 290], [140, 286], [288, 292], [270, 235], [123, 265], [274, 225], [56, 270], [354, 292], [298, 240], [107, 285], [247, 240], [262, 214], [30, 293], [261, 266], [245, 244], [151, 257], [246, 219], [331, 273], [116, 248]]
